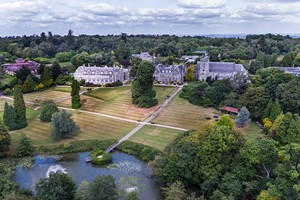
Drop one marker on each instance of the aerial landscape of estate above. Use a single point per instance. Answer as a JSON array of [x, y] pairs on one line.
[[149, 100]]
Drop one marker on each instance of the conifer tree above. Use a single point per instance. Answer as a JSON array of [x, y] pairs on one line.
[[4, 138], [10, 117], [276, 110], [20, 108], [46, 79], [29, 84], [243, 117], [142, 87], [55, 70], [75, 94]]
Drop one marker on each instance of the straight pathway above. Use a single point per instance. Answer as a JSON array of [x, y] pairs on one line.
[[146, 122], [136, 129]]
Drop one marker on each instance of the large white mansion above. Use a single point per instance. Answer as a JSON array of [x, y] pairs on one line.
[[217, 70], [101, 75]]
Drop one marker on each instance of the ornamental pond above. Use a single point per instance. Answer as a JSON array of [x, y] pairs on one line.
[[129, 172]]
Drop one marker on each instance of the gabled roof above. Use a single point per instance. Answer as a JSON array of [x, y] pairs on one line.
[[230, 109]]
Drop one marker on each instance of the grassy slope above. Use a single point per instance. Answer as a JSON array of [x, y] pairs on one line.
[[180, 113], [155, 136]]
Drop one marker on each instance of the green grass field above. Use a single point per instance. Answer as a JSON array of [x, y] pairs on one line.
[[117, 102], [67, 89], [91, 127], [180, 113], [252, 131], [49, 94], [157, 137]]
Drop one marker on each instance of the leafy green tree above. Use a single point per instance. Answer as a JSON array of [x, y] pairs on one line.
[[29, 84], [23, 73], [142, 87], [46, 78], [256, 100], [10, 117], [7, 185], [286, 184], [62, 125], [288, 95], [103, 188], [243, 118], [55, 70], [75, 95], [176, 191], [276, 110], [60, 80], [4, 138], [56, 187], [82, 191], [20, 108], [225, 121], [222, 144], [24, 147], [190, 74], [47, 111], [63, 56], [288, 131]]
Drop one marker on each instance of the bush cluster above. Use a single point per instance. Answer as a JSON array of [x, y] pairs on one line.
[[114, 84], [76, 146], [107, 157], [141, 151]]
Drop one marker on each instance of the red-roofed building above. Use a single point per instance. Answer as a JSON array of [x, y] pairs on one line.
[[12, 68], [230, 110]]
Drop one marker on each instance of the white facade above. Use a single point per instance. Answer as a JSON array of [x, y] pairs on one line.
[[101, 75]]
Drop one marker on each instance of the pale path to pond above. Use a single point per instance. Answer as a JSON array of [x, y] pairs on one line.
[[136, 129], [147, 121]]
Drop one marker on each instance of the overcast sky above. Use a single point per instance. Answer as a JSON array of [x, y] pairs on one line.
[[188, 17]]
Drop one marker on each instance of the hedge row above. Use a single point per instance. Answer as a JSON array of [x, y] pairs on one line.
[[76, 146], [141, 151]]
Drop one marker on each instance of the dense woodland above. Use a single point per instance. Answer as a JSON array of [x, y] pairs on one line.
[[214, 162]]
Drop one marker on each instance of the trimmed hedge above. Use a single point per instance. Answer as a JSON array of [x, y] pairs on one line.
[[141, 151], [107, 157], [76, 146]]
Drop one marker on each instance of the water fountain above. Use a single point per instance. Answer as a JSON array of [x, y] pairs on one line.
[[127, 167], [55, 169]]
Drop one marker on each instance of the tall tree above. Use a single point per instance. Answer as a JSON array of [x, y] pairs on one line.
[[23, 73], [243, 118], [29, 84], [4, 138], [142, 87], [48, 109], [10, 117], [20, 108], [62, 125], [276, 110], [103, 188], [75, 94], [55, 70], [56, 187], [46, 78], [24, 147]]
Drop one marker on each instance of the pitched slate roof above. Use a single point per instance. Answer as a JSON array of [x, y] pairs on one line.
[[171, 69], [96, 70]]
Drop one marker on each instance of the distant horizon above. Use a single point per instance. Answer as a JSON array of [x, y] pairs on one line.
[[179, 17], [217, 35]]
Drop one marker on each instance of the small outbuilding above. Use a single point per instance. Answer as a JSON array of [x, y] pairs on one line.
[[229, 110]]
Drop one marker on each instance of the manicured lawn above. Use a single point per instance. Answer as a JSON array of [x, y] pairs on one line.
[[252, 131], [107, 94], [68, 89], [155, 136], [117, 102], [49, 94], [91, 127], [180, 113], [7, 79]]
